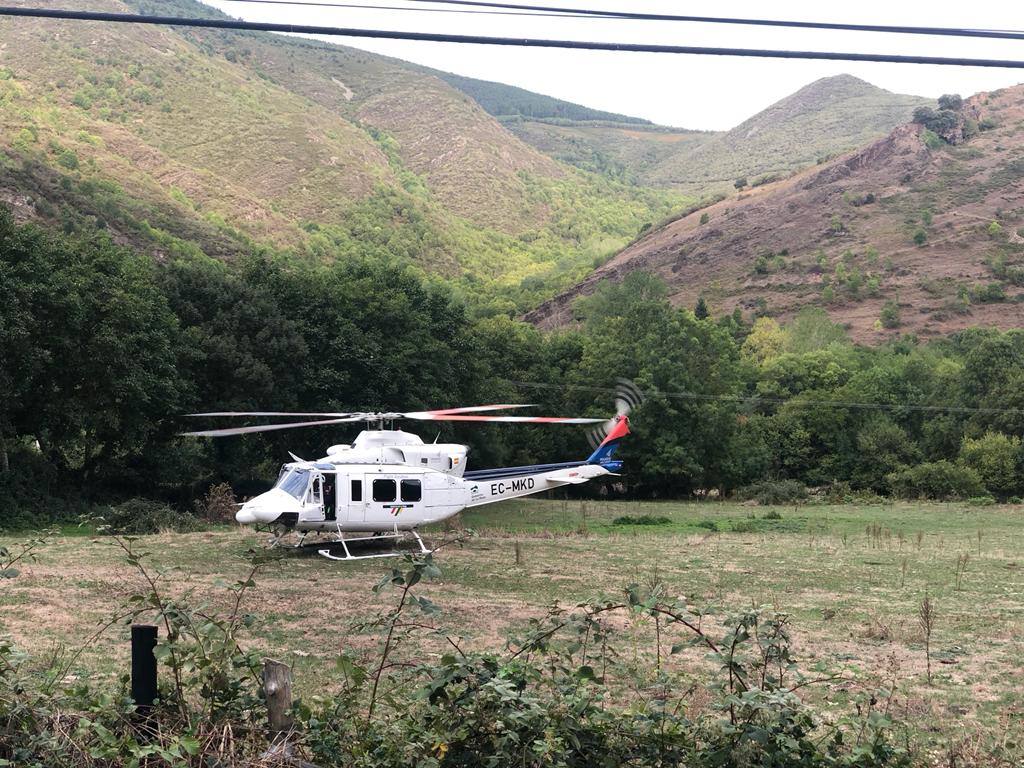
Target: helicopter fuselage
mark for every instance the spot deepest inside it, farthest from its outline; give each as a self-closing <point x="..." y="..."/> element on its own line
<point x="315" y="496"/>
<point x="392" y="481"/>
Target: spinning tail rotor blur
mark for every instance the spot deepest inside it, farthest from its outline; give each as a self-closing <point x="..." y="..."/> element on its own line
<point x="627" y="398"/>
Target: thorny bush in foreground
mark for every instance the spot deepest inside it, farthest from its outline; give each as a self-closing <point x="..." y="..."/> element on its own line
<point x="574" y="688"/>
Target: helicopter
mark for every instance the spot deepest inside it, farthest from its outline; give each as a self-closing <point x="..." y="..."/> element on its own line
<point x="388" y="483"/>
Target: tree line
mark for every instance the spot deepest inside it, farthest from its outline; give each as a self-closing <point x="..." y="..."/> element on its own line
<point x="102" y="350"/>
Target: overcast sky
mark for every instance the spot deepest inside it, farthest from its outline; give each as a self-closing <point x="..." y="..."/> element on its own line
<point x="706" y="92"/>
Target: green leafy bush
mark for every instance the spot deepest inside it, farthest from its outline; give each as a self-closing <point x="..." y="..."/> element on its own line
<point x="774" y="492"/>
<point x="890" y="316"/>
<point x="936" y="480"/>
<point x="641" y="520"/>
<point x="996" y="458"/>
<point x="142" y="516"/>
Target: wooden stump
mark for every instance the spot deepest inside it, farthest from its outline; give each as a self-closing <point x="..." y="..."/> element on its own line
<point x="277" y="687"/>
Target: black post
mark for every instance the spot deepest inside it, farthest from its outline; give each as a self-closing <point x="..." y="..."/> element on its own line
<point x="143" y="668"/>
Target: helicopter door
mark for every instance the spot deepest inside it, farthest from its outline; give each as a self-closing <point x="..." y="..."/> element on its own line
<point x="330" y="497"/>
<point x="313" y="504"/>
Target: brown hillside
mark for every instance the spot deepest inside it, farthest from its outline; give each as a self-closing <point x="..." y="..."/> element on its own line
<point x="841" y="236"/>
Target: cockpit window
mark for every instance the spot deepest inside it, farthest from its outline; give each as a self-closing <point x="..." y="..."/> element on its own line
<point x="294" y="482"/>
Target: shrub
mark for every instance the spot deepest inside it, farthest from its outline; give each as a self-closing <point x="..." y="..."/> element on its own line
<point x="774" y="492"/>
<point x="740" y="183"/>
<point x="890" y="315"/>
<point x="68" y="159"/>
<point x="705" y="218"/>
<point x="82" y="100"/>
<point x="641" y="520"/>
<point x="995" y="457"/>
<point x="981" y="501"/>
<point x="988" y="294"/>
<point x="142" y="516"/>
<point x="931" y="139"/>
<point x="936" y="480"/>
<point x="920" y="237"/>
<point x="951" y="101"/>
<point x="218" y="505"/>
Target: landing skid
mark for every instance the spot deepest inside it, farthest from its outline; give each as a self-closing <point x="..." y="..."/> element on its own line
<point x="396" y="535"/>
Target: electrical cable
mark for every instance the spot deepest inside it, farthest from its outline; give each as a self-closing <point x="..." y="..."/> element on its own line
<point x="1001" y="34"/>
<point x="756" y="400"/>
<point x="382" y="34"/>
<point x="356" y="6"/>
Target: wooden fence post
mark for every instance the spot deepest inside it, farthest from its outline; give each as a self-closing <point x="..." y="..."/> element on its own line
<point x="277" y="687"/>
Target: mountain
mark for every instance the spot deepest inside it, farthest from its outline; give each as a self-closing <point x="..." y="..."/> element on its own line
<point x="826" y="118"/>
<point x="908" y="234"/>
<point x="181" y="140"/>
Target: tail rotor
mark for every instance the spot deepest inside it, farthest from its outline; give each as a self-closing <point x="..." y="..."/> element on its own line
<point x="627" y="397"/>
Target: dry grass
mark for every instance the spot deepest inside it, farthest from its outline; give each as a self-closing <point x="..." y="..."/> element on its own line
<point x="854" y="604"/>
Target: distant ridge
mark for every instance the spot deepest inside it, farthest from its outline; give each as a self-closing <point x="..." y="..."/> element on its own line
<point x="503" y="100"/>
<point x="821" y="120"/>
<point x="907" y="235"/>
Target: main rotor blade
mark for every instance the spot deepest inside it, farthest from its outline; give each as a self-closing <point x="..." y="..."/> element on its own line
<point x="510" y="419"/>
<point x="438" y="412"/>
<point x="270" y="413"/>
<point x="265" y="428"/>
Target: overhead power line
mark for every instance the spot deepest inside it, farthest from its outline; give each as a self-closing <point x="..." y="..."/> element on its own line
<point x="757" y="400"/>
<point x="1001" y="34"/>
<point x="358" y="6"/>
<point x="381" y="34"/>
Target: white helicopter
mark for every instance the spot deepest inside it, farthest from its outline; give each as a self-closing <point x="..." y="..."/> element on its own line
<point x="388" y="483"/>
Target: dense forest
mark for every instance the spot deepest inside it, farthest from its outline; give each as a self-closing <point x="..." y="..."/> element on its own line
<point x="102" y="350"/>
<point x="506" y="101"/>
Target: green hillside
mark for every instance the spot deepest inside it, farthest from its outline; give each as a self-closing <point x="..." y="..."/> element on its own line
<point x="503" y="100"/>
<point x="826" y="118"/>
<point x="179" y="141"/>
<point x="631" y="153"/>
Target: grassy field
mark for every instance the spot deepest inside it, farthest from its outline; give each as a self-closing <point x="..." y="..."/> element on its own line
<point x="851" y="576"/>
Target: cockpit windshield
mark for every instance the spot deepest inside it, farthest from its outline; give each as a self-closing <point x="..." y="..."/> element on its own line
<point x="294" y="482"/>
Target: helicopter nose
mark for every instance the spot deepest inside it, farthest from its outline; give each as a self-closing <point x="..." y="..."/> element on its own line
<point x="265" y="508"/>
<point x="245" y="515"/>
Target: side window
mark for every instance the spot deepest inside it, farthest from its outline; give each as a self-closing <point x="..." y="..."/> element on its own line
<point x="383" y="490"/>
<point x="357" y="490"/>
<point x="315" y="490"/>
<point x="411" y="490"/>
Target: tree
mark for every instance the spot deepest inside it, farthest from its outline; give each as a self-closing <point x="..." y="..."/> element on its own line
<point x="701" y="310"/>
<point x="740" y="183"/>
<point x="765" y="340"/>
<point x="89" y="349"/>
<point x="951" y="101"/>
<point x="882" y="447"/>
<point x="996" y="459"/>
<point x="681" y="444"/>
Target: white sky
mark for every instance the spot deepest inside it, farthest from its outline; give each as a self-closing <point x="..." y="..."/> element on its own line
<point x="707" y="92"/>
